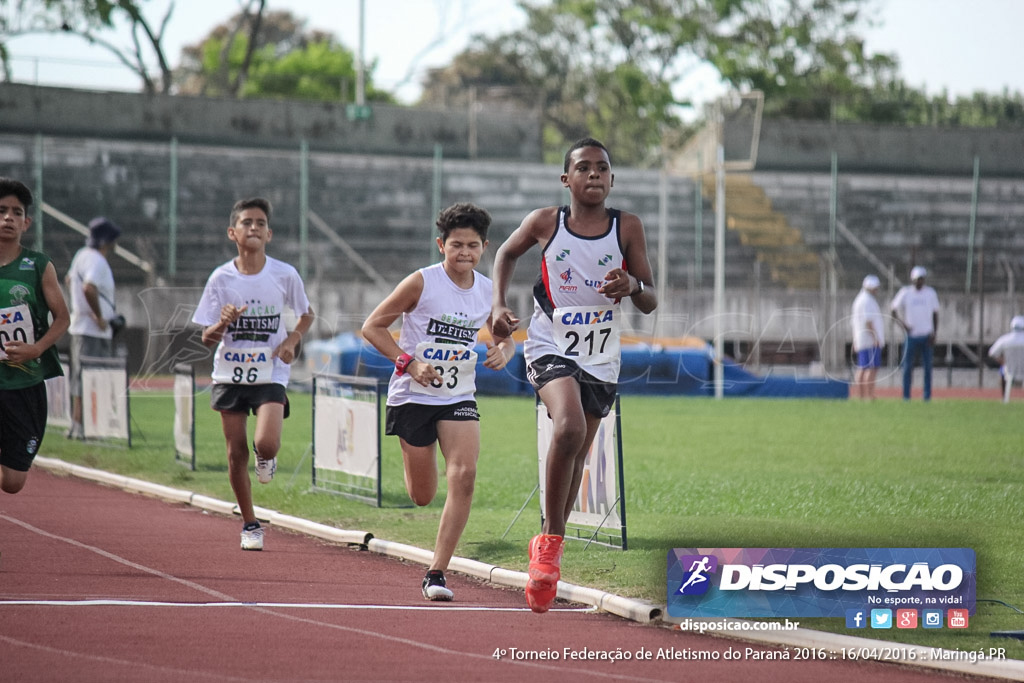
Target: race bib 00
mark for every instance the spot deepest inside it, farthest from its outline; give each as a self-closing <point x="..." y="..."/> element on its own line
<point x="15" y="325"/>
<point x="588" y="334"/>
<point x="237" y="365"/>
<point x="454" y="362"/>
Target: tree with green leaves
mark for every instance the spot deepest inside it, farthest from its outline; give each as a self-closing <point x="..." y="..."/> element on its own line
<point x="621" y="69"/>
<point x="271" y="54"/>
<point x="93" y="20"/>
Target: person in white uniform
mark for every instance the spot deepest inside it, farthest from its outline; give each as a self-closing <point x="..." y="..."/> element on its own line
<point x="868" y="338"/>
<point x="90" y="283"/>
<point x="242" y="312"/>
<point x="431" y="395"/>
<point x="1009" y="343"/>
<point x="916" y="308"/>
<point x="593" y="256"/>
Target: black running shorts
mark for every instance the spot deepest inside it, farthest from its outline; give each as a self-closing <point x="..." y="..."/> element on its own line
<point x="22" y="425"/>
<point x="232" y="398"/>
<point x="416" y="423"/>
<point x="598" y="397"/>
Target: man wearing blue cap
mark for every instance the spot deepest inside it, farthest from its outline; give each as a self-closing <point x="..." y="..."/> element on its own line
<point x="90" y="283"/>
<point x="916" y="308"/>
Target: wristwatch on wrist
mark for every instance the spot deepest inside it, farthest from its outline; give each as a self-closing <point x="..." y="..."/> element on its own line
<point x="639" y="287"/>
<point x="401" y="363"/>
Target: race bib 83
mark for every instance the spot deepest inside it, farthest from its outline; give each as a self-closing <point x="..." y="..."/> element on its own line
<point x="454" y="362"/>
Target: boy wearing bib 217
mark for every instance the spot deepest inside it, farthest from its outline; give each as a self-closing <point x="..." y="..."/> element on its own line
<point x="593" y="257"/>
<point x="241" y="311"/>
<point x="431" y="395"/>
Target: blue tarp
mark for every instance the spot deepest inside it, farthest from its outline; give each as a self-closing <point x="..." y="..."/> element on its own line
<point x="646" y="370"/>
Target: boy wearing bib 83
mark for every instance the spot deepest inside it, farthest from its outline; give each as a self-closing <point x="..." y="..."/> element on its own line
<point x="241" y="311"/>
<point x="431" y="395"/>
<point x="592" y="257"/>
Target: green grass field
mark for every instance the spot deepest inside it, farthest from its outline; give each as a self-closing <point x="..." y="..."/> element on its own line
<point x="699" y="473"/>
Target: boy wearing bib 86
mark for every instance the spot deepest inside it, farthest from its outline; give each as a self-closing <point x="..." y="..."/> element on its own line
<point x="241" y="311"/>
<point x="593" y="257"/>
<point x="431" y="395"/>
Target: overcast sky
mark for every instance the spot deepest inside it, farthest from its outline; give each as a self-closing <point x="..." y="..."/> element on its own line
<point x="959" y="45"/>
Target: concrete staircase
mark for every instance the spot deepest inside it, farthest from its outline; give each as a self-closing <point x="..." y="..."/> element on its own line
<point x="779" y="246"/>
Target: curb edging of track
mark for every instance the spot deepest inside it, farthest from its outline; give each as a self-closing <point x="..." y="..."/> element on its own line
<point x="628" y="608"/>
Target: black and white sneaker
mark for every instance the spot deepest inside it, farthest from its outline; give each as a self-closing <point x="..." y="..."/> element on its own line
<point x="252" y="536"/>
<point x="434" y="587"/>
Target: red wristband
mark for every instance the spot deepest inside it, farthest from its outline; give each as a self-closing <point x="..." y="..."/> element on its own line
<point x="401" y="363"/>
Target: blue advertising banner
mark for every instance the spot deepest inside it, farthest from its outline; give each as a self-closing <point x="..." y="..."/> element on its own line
<point x="817" y="582"/>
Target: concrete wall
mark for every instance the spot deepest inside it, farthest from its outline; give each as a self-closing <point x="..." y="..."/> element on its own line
<point x="268" y="123"/>
<point x="808" y="146"/>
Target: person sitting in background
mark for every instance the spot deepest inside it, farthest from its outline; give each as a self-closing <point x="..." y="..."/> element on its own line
<point x="1013" y="339"/>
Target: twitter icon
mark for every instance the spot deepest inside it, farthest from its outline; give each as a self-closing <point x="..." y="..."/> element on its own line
<point x="881" y="618"/>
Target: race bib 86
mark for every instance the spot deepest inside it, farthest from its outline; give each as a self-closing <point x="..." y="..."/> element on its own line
<point x="237" y="365"/>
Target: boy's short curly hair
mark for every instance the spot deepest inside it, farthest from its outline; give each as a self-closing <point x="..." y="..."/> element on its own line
<point x="463" y="215"/>
<point x="580" y="144"/>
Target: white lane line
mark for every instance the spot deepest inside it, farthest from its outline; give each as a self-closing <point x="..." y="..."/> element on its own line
<point x="117" y="558"/>
<point x="276" y="605"/>
<point x="420" y="645"/>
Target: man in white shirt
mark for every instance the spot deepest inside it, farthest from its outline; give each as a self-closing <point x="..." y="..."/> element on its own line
<point x="868" y="338"/>
<point x="916" y="309"/>
<point x="90" y="283"/>
<point x="1011" y="340"/>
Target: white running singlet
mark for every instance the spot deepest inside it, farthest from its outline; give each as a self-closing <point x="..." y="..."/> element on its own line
<point x="442" y="330"/>
<point x="571" y="319"/>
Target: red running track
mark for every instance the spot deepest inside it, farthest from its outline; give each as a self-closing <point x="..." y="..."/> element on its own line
<point x="97" y="584"/>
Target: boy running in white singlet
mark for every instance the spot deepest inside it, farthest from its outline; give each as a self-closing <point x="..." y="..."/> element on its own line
<point x="431" y="395"/>
<point x="241" y="311"/>
<point x="592" y="257"/>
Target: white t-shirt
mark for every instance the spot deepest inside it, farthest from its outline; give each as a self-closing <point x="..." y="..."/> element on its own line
<point x="917" y="307"/>
<point x="443" y="325"/>
<point x="1015" y="338"/>
<point x="244" y="354"/>
<point x="90" y="266"/>
<point x="866" y="310"/>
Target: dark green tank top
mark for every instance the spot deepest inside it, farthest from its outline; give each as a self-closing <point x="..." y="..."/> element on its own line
<point x="22" y="309"/>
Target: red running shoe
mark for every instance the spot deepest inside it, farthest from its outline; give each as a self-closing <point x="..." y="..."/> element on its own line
<point x="545" y="570"/>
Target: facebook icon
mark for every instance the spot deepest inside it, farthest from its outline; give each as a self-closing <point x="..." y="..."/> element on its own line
<point x="856" y="618"/>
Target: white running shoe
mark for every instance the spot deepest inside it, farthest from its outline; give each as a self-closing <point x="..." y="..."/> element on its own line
<point x="265" y="469"/>
<point x="252" y="539"/>
<point x="434" y="586"/>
